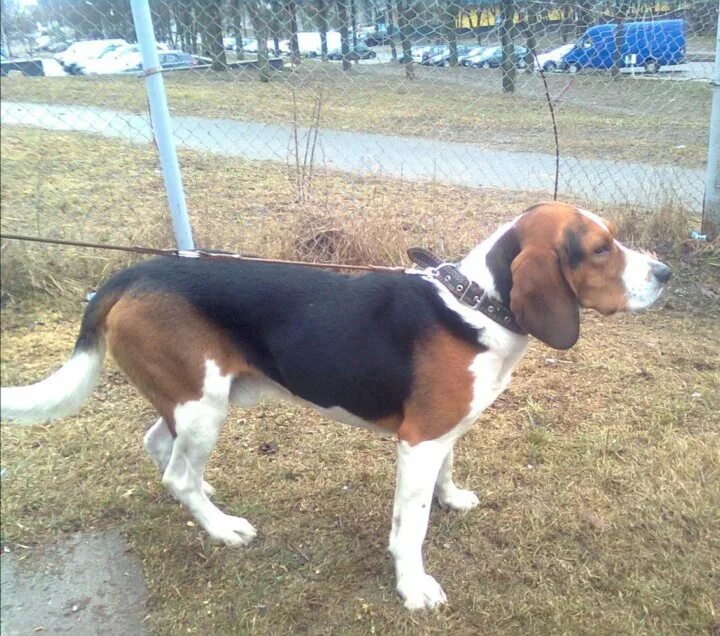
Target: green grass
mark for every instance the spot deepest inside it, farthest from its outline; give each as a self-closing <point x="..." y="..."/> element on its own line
<point x="657" y="122"/>
<point x="597" y="469"/>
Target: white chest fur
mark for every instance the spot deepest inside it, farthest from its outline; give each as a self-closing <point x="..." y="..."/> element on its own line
<point x="492" y="371"/>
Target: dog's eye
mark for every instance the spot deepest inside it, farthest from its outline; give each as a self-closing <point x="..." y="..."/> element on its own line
<point x="603" y="249"/>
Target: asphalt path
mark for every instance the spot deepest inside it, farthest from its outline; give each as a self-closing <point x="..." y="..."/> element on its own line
<point x="591" y="180"/>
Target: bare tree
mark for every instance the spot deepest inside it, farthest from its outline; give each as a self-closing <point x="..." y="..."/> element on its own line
<point x="344" y="35"/>
<point x="322" y="21"/>
<point x="530" y="30"/>
<point x="237" y="18"/>
<point x="260" y="19"/>
<point x="405" y="12"/>
<point x="509" y="71"/>
<point x="291" y="13"/>
<point x="450" y="11"/>
<point x="390" y="26"/>
<point x="212" y="35"/>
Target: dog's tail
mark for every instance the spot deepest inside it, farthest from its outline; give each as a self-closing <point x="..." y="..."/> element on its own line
<point x="64" y="392"/>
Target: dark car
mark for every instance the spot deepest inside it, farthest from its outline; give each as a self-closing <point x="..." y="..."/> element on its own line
<point x="384" y="36"/>
<point x="176" y="59"/>
<point x="173" y="60"/>
<point x="463" y="51"/>
<point x="492" y="57"/>
<point x="360" y="52"/>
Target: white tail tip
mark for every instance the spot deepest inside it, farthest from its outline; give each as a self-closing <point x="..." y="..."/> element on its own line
<point x="60" y="395"/>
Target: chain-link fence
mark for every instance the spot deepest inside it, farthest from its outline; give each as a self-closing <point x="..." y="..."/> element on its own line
<point x="435" y="106"/>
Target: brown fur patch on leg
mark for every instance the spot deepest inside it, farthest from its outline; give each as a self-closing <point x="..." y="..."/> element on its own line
<point x="162" y="343"/>
<point x="442" y="388"/>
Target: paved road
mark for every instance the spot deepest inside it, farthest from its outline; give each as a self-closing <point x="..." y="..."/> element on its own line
<point x="83" y="584"/>
<point x="371" y="154"/>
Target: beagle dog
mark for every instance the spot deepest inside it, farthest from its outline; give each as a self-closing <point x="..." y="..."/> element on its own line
<point x="398" y="352"/>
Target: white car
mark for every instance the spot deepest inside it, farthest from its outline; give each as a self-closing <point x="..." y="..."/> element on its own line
<point x="549" y="61"/>
<point x="116" y="60"/>
<point x="80" y="52"/>
<point x="309" y="42"/>
<point x="252" y="46"/>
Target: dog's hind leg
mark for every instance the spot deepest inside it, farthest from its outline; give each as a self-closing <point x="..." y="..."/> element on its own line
<point x="448" y="494"/>
<point x="158" y="443"/>
<point x="197" y="425"/>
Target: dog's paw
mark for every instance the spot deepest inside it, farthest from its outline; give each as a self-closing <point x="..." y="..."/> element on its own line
<point x="234" y="531"/>
<point x="458" y="499"/>
<point x="421" y="593"/>
<point x="208" y="489"/>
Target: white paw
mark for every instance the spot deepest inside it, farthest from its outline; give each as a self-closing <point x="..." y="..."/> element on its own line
<point x="421" y="593"/>
<point x="458" y="499"/>
<point x="234" y="531"/>
<point x="207" y="489"/>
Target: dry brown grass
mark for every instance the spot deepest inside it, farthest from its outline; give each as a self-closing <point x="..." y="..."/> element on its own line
<point x="598" y="469"/>
<point x="53" y="187"/>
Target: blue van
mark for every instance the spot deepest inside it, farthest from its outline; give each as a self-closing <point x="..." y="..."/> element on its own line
<point x="653" y="43"/>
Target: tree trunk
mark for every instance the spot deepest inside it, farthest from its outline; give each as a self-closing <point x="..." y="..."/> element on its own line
<point x="213" y="37"/>
<point x="353" y="24"/>
<point x="238" y="20"/>
<point x="344" y="36"/>
<point x="259" y="22"/>
<point x="291" y="11"/>
<point x="404" y="13"/>
<point x="531" y="39"/>
<point x="509" y="72"/>
<point x="322" y="10"/>
<point x="451" y="10"/>
<point x="476" y="29"/>
<point x="390" y="26"/>
<point x="566" y="26"/>
<point x="276" y="10"/>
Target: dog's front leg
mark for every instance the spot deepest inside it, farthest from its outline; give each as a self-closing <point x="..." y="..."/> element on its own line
<point x="417" y="471"/>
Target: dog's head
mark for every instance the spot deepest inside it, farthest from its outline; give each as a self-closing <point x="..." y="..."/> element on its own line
<point x="570" y="258"/>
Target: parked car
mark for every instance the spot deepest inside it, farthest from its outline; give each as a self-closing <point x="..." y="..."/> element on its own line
<point x="550" y="61"/>
<point x="113" y="60"/>
<point x="418" y="52"/>
<point x="381" y="36"/>
<point x="492" y="57"/>
<point x="310" y="42"/>
<point x="252" y="47"/>
<point x="79" y="52"/>
<point x="173" y="59"/>
<point x="649" y="44"/>
<point x="401" y="56"/>
<point x="463" y="50"/>
<point x="429" y="52"/>
<point x="45" y="45"/>
<point x="476" y="50"/>
<point x="360" y="52"/>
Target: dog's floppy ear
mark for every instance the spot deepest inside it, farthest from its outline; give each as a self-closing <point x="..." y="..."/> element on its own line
<point x="541" y="299"/>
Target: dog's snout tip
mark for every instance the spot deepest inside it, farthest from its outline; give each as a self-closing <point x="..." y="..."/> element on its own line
<point x="661" y="272"/>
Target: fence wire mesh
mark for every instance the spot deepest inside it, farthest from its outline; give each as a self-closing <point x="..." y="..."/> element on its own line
<point x="433" y="107"/>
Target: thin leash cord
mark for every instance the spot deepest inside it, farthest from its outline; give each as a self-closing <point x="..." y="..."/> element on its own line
<point x="197" y="253"/>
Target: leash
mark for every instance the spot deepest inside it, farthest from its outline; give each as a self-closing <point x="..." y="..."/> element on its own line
<point x="196" y="253"/>
<point x="464" y="290"/>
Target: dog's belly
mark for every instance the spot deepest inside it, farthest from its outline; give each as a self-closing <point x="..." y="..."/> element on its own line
<point x="246" y="392"/>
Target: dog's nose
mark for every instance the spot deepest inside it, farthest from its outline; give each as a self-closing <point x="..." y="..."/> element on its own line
<point x="661" y="271"/>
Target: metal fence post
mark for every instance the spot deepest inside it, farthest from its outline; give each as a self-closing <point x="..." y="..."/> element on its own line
<point x="711" y="203"/>
<point x="162" y="127"/>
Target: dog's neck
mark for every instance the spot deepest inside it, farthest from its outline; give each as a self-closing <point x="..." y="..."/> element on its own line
<point x="489" y="263"/>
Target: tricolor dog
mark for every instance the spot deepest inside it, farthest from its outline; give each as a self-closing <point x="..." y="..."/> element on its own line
<point x="418" y="354"/>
